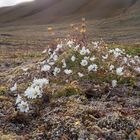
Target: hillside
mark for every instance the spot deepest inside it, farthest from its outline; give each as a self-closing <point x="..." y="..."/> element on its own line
<point x="50" y="11"/>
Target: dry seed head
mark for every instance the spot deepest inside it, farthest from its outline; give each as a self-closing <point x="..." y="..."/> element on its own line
<point x="72" y="25"/>
<point x="76" y="28"/>
<point x="83" y="19"/>
<point x="83" y="26"/>
<point x="82" y="30"/>
<point x="50" y="29"/>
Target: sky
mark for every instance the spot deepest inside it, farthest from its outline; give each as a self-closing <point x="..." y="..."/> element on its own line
<point x="4" y="3"/>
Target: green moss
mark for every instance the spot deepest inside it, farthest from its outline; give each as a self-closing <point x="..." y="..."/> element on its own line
<point x="67" y="91"/>
<point x="128" y="81"/>
<point x="2" y="90"/>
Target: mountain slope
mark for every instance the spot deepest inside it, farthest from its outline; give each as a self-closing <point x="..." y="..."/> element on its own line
<point x="49" y="11"/>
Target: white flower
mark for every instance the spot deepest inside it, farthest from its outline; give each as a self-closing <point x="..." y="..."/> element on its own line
<point x="132" y="61"/>
<point x="70" y="43"/>
<point x="25" y="69"/>
<point x="43" y="62"/>
<point x="83" y="51"/>
<point x="111" y="67"/>
<point x="80" y="74"/>
<point x="23" y="107"/>
<point x="56" y="71"/>
<point x="76" y="48"/>
<point x="93" y="67"/>
<point x="64" y="63"/>
<point x="55" y="57"/>
<point x="96" y="44"/>
<point x="46" y="68"/>
<point x="125" y="60"/>
<point x="19" y="99"/>
<point x="88" y="51"/>
<point x="68" y="71"/>
<point x="59" y="46"/>
<point x="30" y="93"/>
<point x="44" y="51"/>
<point x="51" y="56"/>
<point x="92" y="58"/>
<point x="105" y="57"/>
<point x="119" y="71"/>
<point x="114" y="83"/>
<point x="67" y="81"/>
<point x="137" y="69"/>
<point x="137" y="59"/>
<point x="84" y="63"/>
<point x="14" y="88"/>
<point x="86" y="57"/>
<point x="73" y="58"/>
<point x="33" y="92"/>
<point x="111" y="51"/>
<point x="116" y="52"/>
<point x="90" y="68"/>
<point x="129" y="56"/>
<point x="51" y="63"/>
<point x="40" y="82"/>
<point x="49" y="51"/>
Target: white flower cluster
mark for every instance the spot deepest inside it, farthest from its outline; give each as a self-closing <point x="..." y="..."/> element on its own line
<point x="22" y="105"/>
<point x="14" y="88"/>
<point x="32" y="92"/>
<point x="68" y="71"/>
<point x="80" y="74"/>
<point x="95" y="44"/>
<point x="111" y="67"/>
<point x="105" y="57"/>
<point x="88" y="61"/>
<point x="114" y="83"/>
<point x="35" y="90"/>
<point x="64" y="63"/>
<point x="56" y="71"/>
<point x="76" y="48"/>
<point x="46" y="68"/>
<point x="84" y="62"/>
<point x="84" y="51"/>
<point x="92" y="58"/>
<point x="92" y="67"/>
<point x="53" y="55"/>
<point x="73" y="58"/>
<point x="116" y="52"/>
<point x="119" y="71"/>
<point x="70" y="43"/>
<point x="137" y="69"/>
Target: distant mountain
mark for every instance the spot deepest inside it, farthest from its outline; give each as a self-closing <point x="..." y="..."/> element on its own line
<point x="50" y="11"/>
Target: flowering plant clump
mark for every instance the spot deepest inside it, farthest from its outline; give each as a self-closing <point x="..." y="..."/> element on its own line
<point x="69" y="62"/>
<point x="76" y="59"/>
